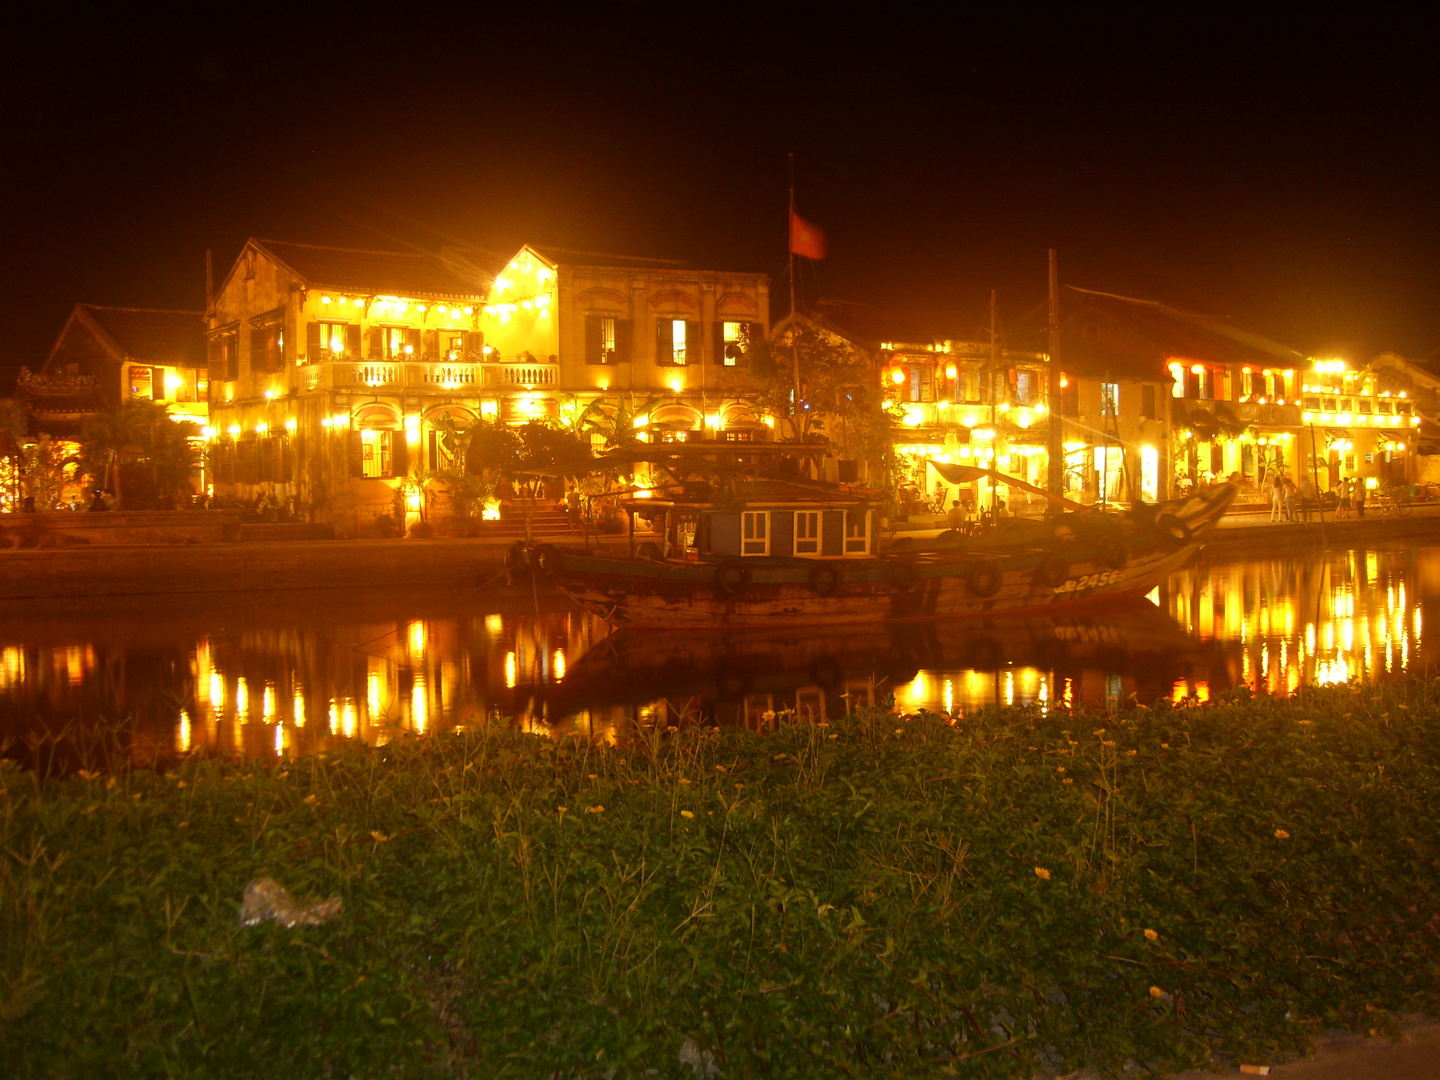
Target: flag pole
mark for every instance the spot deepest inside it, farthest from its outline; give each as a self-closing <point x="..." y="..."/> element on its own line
<point x="794" y="313"/>
<point x="1055" y="473"/>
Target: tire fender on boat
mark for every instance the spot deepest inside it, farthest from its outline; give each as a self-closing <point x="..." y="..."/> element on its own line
<point x="1052" y="571"/>
<point x="733" y="578"/>
<point x="545" y="561"/>
<point x="517" y="561"/>
<point x="1174" y="529"/>
<point x="902" y="574"/>
<point x="984" y="579"/>
<point x="1113" y="552"/>
<point x="824" y="580"/>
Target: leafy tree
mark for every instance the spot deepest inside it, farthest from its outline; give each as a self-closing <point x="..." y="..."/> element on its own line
<point x="841" y="398"/>
<point x="15" y="419"/>
<point x="616" y="421"/>
<point x="141" y="431"/>
<point x="47" y="469"/>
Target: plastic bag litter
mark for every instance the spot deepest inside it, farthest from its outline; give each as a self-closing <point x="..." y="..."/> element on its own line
<point x="265" y="898"/>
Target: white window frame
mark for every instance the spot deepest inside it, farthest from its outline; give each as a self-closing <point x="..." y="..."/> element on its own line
<point x="1109" y="399"/>
<point x="857" y="542"/>
<point x="755" y="541"/>
<point x="811" y="542"/>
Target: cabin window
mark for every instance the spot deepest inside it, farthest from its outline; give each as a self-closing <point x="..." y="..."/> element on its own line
<point x="755" y="538"/>
<point x="807" y="532"/>
<point x="332" y="339"/>
<point x="857" y="530"/>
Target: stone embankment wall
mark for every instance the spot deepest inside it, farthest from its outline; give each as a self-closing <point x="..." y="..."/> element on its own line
<point x="354" y="565"/>
<point x="152" y="528"/>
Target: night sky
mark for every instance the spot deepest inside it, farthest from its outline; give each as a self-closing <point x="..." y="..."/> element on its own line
<point x="1284" y="174"/>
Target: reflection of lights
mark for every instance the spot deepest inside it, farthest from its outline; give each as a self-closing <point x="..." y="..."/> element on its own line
<point x="557" y="664"/>
<point x="242" y="699"/>
<point x="347" y="720"/>
<point x="182" y="733"/>
<point x="417" y="638"/>
<point x="299" y="708"/>
<point x="949" y="686"/>
<point x="494" y="625"/>
<point x="267" y="703"/>
<point x="419" y="705"/>
<point x="334" y="715"/>
<point x="372" y="693"/>
<point x="510" y="670"/>
<point x="281" y="738"/>
<point x="217" y="690"/>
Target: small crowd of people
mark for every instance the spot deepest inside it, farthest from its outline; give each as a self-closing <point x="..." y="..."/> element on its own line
<point x="1290" y="501"/>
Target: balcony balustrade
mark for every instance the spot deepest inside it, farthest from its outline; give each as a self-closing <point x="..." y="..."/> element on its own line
<point x="342" y="374"/>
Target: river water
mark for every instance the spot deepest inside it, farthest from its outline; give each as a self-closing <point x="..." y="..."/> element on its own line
<point x="264" y="675"/>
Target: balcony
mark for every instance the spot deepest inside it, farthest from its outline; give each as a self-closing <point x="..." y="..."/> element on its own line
<point x="343" y="374"/>
<point x="521" y="376"/>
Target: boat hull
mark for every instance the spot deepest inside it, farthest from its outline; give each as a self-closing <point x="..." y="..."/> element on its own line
<point x="1055" y="568"/>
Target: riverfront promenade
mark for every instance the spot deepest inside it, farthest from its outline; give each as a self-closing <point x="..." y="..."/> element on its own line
<point x="262" y="565"/>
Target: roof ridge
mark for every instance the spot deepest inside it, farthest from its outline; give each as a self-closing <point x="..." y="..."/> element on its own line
<point x="345" y="250"/>
<point x="141" y="310"/>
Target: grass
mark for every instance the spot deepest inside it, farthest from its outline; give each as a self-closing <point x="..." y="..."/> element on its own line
<point x="1006" y="894"/>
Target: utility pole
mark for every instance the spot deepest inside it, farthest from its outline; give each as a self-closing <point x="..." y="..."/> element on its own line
<point x="1055" y="479"/>
<point x="993" y="357"/>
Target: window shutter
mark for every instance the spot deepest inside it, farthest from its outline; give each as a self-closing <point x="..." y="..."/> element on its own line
<point x="474" y="342"/>
<point x="232" y="356"/>
<point x="357" y="455"/>
<point x="352" y="340"/>
<point x="622" y="341"/>
<point x="1147" y="401"/>
<point x="694" y="342"/>
<point x="375" y="347"/>
<point x="312" y="342"/>
<point x="717" y="339"/>
<point x="593" y="340"/>
<point x="258" y="359"/>
<point x="399" y="453"/>
<point x="749" y="335"/>
<point x="214" y="360"/>
<point x="664" y="342"/>
<point x="432" y="344"/>
<point x="412" y="339"/>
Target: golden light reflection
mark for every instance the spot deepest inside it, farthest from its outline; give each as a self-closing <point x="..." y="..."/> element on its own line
<point x="416" y="636"/>
<point x="182" y="733"/>
<point x="511" y="671"/>
<point x="557" y="664"/>
<point x="242" y="699"/>
<point x="299" y="708"/>
<point x="419" y="706"/>
<point x="267" y="706"/>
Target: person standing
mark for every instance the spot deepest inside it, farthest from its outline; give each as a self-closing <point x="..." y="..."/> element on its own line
<point x="1277" y="497"/>
<point x="1307" y="497"/>
<point x="1359" y="485"/>
<point x="1342" y="489"/>
<point x="1287" y="493"/>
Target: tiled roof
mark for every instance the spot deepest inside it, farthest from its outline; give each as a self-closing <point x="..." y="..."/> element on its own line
<point x="869" y="326"/>
<point x="385" y="273"/>
<point x="1139" y="336"/>
<point x="154" y="336"/>
<point x="570" y="257"/>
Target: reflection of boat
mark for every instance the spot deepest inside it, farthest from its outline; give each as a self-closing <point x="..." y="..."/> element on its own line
<point x="745" y="549"/>
<point x="1132" y="644"/>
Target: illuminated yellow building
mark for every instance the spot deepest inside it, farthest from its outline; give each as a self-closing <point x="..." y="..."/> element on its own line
<point x="106" y="355"/>
<point x="333" y="369"/>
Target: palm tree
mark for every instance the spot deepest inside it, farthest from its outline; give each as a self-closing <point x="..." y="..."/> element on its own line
<point x="136" y="429"/>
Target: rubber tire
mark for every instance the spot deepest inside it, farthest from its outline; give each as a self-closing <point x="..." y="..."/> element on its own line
<point x="984" y="580"/>
<point x="824" y="580"/>
<point x="1174" y="530"/>
<point x="517" y="560"/>
<point x="732" y="578"/>
<point x="651" y="551"/>
<point x="545" y="561"/>
<point x="1052" y="571"/>
<point x="1114" y="553"/>
<point x="902" y="574"/>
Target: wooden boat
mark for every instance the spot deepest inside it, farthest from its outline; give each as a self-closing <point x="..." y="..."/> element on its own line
<point x="748" y="548"/>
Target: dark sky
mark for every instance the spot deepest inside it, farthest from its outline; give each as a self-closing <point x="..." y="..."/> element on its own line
<point x="1283" y="173"/>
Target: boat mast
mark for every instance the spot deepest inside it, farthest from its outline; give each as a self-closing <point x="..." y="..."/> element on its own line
<point x="1055" y="478"/>
<point x="794" y="312"/>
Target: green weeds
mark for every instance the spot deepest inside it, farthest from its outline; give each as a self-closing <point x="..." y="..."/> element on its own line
<point x="1003" y="895"/>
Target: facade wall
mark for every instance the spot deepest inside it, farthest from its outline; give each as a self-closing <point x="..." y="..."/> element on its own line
<point x="361" y="384"/>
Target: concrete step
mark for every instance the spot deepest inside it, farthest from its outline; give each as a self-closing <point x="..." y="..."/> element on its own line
<point x="285" y="530"/>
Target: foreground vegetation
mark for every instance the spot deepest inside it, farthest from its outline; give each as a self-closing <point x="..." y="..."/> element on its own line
<point x="1007" y="894"/>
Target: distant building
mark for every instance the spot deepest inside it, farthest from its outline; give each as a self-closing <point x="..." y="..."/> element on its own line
<point x="106" y="355"/>
<point x="332" y="370"/>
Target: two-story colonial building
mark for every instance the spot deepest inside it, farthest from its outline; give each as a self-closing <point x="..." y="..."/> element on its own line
<point x="332" y="371"/>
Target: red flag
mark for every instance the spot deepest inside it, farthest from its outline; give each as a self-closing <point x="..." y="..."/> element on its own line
<point x="805" y="239"/>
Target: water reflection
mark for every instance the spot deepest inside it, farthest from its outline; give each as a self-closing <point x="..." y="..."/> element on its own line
<point x="265" y="676"/>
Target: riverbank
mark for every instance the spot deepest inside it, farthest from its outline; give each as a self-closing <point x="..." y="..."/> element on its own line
<point x="1004" y="894"/>
<point x="253" y="566"/>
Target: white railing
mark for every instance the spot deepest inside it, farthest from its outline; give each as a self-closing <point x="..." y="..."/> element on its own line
<point x="526" y="375"/>
<point x="378" y="374"/>
<point x="446" y="375"/>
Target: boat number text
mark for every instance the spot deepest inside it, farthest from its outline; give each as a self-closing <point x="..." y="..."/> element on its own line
<point x="1089" y="581"/>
